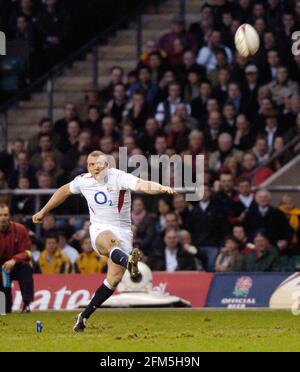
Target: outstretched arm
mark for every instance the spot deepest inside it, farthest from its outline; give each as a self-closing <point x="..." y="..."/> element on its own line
<point x="153" y="188"/>
<point x="57" y="199"/>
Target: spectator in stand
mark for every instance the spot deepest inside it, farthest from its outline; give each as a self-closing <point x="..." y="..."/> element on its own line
<point x="48" y="225"/>
<point x="239" y="233"/>
<point x="183" y="209"/>
<point x="158" y="67"/>
<point x="207" y="228"/>
<point x="148" y="137"/>
<point x="116" y="77"/>
<point x="175" y="56"/>
<point x="242" y="201"/>
<point x="250" y="91"/>
<point x="172" y="257"/>
<point x="107" y="145"/>
<point x="212" y="105"/>
<point x="26" y="31"/>
<point x="151" y="48"/>
<point x="144" y="223"/>
<point x="190" y="65"/>
<point x="178" y="136"/>
<point x="45" y="127"/>
<point x="83" y="146"/>
<point x="138" y="111"/>
<point x="198" y="104"/>
<point x="4" y="199"/>
<point x="185" y="239"/>
<point x="71" y="141"/>
<point x="145" y="85"/>
<point x="290" y="111"/>
<point x="264" y="257"/>
<point x="205" y="24"/>
<point x="177" y="31"/>
<point x="182" y="111"/>
<point x="244" y="136"/>
<point x="92" y="98"/>
<point x="279" y="148"/>
<point x="109" y="129"/>
<point x="168" y="107"/>
<point x="46" y="148"/>
<point x="220" y="90"/>
<point x="250" y="169"/>
<point x="23" y="204"/>
<point x="193" y="80"/>
<point x="8" y="158"/>
<point x="262" y="216"/>
<point x="52" y="260"/>
<point x="235" y="97"/>
<point x="15" y="253"/>
<point x="89" y="262"/>
<point x="229" y="113"/>
<point x="69" y="251"/>
<point x="79" y="168"/>
<point x="225" y="196"/>
<point x="229" y="258"/>
<point x="282" y="86"/>
<point x="22" y="169"/>
<point x="272" y="66"/>
<point x="287" y="206"/>
<point x="117" y="106"/>
<point x="164" y="209"/>
<point x="61" y="125"/>
<point x="93" y="123"/>
<point x="260" y="149"/>
<point x="50" y="167"/>
<point x="221" y="65"/>
<point x="55" y="26"/>
<point x="207" y="54"/>
<point x="225" y="149"/>
<point x="213" y="130"/>
<point x="272" y="128"/>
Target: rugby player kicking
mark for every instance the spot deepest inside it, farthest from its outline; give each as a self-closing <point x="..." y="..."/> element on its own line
<point x="107" y="192"/>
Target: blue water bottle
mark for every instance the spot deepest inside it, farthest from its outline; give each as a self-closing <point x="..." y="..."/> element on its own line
<point x="39" y="326"/>
<point x="6" y="280"/>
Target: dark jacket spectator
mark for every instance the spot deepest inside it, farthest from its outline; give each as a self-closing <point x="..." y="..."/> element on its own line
<point x="172" y="257"/>
<point x="262" y="216"/>
<point x="264" y="258"/>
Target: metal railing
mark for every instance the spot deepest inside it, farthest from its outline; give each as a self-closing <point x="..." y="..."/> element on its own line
<point x="38" y="194"/>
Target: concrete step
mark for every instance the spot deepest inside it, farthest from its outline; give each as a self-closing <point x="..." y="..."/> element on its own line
<point x="173" y="8"/>
<point x="115" y="52"/>
<point x="104" y="66"/>
<point x="129" y="36"/>
<point x="71" y="83"/>
<point x="40" y="100"/>
<point x="27" y="116"/>
<point x="154" y="21"/>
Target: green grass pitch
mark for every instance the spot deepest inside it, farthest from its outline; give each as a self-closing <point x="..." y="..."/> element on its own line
<point x="154" y="330"/>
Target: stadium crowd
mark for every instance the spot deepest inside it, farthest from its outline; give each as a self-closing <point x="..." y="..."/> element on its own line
<point x="190" y="94"/>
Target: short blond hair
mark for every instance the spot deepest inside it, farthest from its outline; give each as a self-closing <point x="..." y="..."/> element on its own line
<point x="96" y="154"/>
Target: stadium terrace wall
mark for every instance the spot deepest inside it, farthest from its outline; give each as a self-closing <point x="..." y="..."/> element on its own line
<point x="232" y="291"/>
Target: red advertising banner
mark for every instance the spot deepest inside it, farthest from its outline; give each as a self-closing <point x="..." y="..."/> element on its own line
<point x="65" y="292"/>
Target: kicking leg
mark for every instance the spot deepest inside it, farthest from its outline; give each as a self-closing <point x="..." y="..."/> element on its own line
<point x="114" y="276"/>
<point x="108" y="245"/>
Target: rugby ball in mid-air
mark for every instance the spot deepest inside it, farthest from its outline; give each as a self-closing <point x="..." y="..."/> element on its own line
<point x="246" y="40"/>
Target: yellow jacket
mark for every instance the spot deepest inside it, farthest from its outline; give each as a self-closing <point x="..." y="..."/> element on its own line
<point x="90" y="263"/>
<point x="59" y="264"/>
<point x="293" y="216"/>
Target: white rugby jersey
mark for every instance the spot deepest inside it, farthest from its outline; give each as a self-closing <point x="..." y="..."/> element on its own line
<point x="109" y="201"/>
